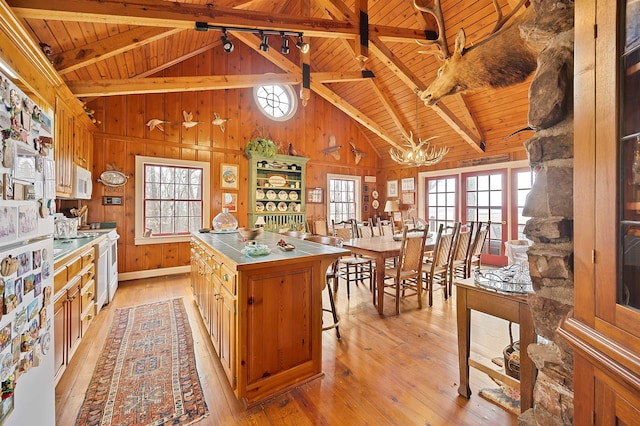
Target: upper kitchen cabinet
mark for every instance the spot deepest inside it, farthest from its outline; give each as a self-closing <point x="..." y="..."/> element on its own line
<point x="605" y="327"/>
<point x="74" y="145"/>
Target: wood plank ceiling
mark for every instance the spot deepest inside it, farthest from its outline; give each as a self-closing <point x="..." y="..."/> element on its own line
<point x="106" y="47"/>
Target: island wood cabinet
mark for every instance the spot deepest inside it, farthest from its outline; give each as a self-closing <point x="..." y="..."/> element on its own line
<point x="604" y="329"/>
<point x="215" y="294"/>
<point x="277" y="191"/>
<point x="73" y="304"/>
<point x="264" y="315"/>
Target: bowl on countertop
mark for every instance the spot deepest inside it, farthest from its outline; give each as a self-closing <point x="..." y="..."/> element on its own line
<point x="250" y="233"/>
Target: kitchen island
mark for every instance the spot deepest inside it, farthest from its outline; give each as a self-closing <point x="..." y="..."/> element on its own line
<point x="263" y="313"/>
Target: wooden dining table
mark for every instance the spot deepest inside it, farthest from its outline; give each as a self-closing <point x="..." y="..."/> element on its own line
<point x="379" y="248"/>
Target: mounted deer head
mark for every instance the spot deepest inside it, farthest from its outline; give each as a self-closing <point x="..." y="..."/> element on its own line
<point x="501" y="60"/>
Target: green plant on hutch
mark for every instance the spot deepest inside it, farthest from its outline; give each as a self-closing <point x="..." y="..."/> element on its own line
<point x="261" y="146"/>
<point x="277" y="189"/>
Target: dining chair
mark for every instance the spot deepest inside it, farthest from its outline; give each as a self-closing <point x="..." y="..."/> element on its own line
<point x="478" y="245"/>
<point x="352" y="268"/>
<point x="459" y="267"/>
<point x="297" y="234"/>
<point x="331" y="277"/>
<point x="435" y="270"/>
<point x="455" y="230"/>
<point x="407" y="274"/>
<point x="386" y="226"/>
<point x="320" y="227"/>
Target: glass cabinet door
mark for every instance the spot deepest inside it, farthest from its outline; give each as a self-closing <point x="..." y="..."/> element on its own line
<point x="628" y="291"/>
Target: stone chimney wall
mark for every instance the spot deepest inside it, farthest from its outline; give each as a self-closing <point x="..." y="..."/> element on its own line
<point x="550" y="207"/>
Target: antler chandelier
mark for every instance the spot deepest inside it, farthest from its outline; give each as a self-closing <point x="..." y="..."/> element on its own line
<point x="418" y="154"/>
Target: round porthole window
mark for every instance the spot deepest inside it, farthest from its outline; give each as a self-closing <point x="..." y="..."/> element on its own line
<point x="276" y="101"/>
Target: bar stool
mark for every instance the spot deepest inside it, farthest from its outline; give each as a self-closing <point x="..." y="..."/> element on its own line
<point x="331" y="275"/>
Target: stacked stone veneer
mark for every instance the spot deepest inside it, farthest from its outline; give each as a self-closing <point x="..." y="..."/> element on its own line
<point x="550" y="207"/>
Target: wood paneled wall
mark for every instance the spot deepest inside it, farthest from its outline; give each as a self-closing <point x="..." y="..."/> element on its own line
<point x="123" y="135"/>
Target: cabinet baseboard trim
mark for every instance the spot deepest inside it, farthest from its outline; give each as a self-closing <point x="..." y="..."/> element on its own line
<point x="150" y="273"/>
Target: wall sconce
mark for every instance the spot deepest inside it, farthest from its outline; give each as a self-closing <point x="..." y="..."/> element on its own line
<point x="285" y="45"/>
<point x="226" y="43"/>
<point x="264" y="46"/>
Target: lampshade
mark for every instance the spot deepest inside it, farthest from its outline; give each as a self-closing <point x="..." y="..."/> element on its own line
<point x="260" y="221"/>
<point x="391" y="206"/>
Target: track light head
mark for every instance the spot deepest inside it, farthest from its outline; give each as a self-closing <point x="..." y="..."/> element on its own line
<point x="264" y="46"/>
<point x="226" y="43"/>
<point x="304" y="47"/>
<point x="285" y="45"/>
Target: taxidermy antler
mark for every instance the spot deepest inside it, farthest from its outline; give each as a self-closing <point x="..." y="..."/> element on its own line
<point x="501" y="60"/>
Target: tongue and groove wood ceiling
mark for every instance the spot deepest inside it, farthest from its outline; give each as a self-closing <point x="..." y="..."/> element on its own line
<point x="111" y="47"/>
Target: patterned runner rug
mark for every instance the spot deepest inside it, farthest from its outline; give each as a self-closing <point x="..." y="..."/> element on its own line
<point x="146" y="374"/>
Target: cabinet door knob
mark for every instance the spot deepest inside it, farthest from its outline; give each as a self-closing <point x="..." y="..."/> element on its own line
<point x="225" y="277"/>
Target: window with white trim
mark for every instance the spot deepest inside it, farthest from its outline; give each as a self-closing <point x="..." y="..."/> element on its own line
<point x="276" y="101"/>
<point x="344" y="198"/>
<point x="171" y="199"/>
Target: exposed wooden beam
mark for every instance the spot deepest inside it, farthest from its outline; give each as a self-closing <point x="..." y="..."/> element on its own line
<point x="337" y="77"/>
<point x="167" y="14"/>
<point x="191" y="84"/>
<point x="412" y="81"/>
<point x="91" y="53"/>
<point x="362" y="42"/>
<point x="177" y="84"/>
<point x="175" y="15"/>
<point x="336" y="9"/>
<point x="286" y="65"/>
<point x="389" y="107"/>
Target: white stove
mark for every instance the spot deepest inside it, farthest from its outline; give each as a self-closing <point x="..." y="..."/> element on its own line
<point x="112" y="258"/>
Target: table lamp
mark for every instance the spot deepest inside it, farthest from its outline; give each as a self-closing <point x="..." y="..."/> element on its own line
<point x="390" y="207"/>
<point x="260" y="222"/>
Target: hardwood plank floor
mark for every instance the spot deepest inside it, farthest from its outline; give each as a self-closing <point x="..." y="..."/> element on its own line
<point x="392" y="370"/>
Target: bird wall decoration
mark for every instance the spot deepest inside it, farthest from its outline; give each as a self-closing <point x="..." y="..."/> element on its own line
<point x="156" y="123"/>
<point x="188" y="120"/>
<point x="219" y="121"/>
<point x="332" y="149"/>
<point x="357" y="152"/>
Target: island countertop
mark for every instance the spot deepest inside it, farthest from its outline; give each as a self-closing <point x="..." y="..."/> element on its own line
<point x="230" y="245"/>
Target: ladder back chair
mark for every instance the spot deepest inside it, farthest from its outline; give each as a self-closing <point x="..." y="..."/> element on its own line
<point x="406" y="276"/>
<point x="331" y="276"/>
<point x="478" y="245"/>
<point x="435" y="270"/>
<point x="352" y="268"/>
<point x="320" y="227"/>
<point x="465" y="240"/>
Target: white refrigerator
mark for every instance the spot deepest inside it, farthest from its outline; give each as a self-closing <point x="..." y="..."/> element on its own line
<point x="27" y="192"/>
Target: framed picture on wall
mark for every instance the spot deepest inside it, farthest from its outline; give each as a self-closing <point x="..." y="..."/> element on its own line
<point x="229" y="176"/>
<point x="315" y="195"/>
<point x="408" y="198"/>
<point x="392" y="188"/>
<point x="408" y="184"/>
<point x="230" y="201"/>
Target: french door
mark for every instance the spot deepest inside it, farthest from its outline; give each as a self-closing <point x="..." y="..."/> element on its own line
<point x="484" y="198"/>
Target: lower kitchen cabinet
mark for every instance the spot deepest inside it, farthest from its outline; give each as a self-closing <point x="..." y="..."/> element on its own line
<point x="73" y="305"/>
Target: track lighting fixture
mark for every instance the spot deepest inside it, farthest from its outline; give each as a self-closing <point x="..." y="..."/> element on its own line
<point x="304" y="47"/>
<point x="226" y="43"/>
<point x="285" y="45"/>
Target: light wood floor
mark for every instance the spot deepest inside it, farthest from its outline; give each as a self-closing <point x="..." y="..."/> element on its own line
<point x="385" y="371"/>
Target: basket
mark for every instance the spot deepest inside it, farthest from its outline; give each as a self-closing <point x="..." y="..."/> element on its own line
<point x="512" y="357"/>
